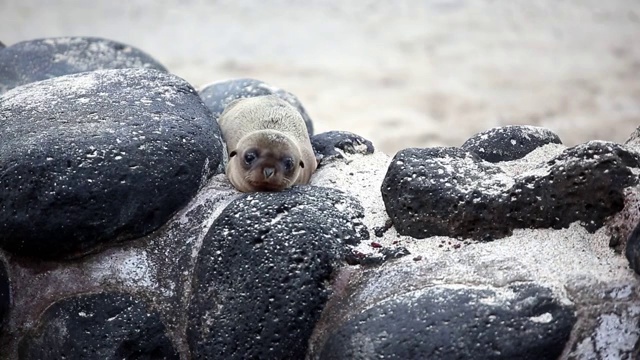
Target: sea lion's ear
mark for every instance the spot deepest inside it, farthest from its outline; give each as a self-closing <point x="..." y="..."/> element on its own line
<point x="301" y="164"/>
<point x="233" y="153"/>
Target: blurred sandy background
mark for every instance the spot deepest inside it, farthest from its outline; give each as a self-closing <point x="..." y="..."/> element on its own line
<point x="401" y="73"/>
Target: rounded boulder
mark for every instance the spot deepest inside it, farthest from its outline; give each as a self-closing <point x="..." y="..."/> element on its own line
<point x="99" y="157"/>
<point x="40" y="59"/>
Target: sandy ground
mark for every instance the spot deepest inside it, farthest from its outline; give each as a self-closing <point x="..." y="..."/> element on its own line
<point x="401" y="73"/>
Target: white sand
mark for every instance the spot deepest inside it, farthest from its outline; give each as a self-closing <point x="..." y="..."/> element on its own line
<point x="401" y="73"/>
<point x="568" y="260"/>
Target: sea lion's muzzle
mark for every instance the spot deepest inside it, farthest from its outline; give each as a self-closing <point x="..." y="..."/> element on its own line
<point x="268" y="172"/>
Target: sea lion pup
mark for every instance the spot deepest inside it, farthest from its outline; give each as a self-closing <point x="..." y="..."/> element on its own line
<point x="268" y="144"/>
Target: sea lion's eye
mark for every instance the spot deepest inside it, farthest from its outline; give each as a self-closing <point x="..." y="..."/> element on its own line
<point x="250" y="157"/>
<point x="288" y="164"/>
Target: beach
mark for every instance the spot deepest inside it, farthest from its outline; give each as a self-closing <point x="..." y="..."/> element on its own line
<point x="399" y="73"/>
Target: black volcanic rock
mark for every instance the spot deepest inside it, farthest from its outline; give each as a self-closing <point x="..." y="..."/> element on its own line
<point x="632" y="250"/>
<point x="98" y="157"/>
<point x="261" y="275"/>
<point x="332" y="144"/>
<point x="633" y="141"/>
<point x="219" y="94"/>
<point x="441" y="322"/>
<point x="452" y="192"/>
<point x="5" y="294"/>
<point x="98" y="326"/>
<point x="445" y="191"/>
<point x="35" y="60"/>
<point x="509" y="142"/>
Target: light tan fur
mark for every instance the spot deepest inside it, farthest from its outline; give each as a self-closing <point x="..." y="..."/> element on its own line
<point x="278" y="131"/>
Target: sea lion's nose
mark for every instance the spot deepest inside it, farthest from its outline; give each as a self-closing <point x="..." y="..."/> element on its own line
<point x="268" y="172"/>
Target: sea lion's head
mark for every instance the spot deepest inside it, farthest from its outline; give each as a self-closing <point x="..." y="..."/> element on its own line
<point x="266" y="160"/>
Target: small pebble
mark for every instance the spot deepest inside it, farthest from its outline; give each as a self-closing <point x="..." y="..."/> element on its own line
<point x="375" y="245"/>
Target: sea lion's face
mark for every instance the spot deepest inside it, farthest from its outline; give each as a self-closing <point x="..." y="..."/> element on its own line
<point x="264" y="167"/>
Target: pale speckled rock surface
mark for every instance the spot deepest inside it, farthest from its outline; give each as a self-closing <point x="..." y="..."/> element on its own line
<point x="579" y="268"/>
<point x="358" y="175"/>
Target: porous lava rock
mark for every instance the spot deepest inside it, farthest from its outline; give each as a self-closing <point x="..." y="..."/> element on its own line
<point x="98" y="326"/>
<point x="632" y="250"/>
<point x="99" y="157"/>
<point x="261" y="275"/>
<point x="452" y="192"/>
<point x="40" y="59"/>
<point x="509" y="142"/>
<point x="5" y="294"/>
<point x="333" y="144"/>
<point x="448" y="322"/>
